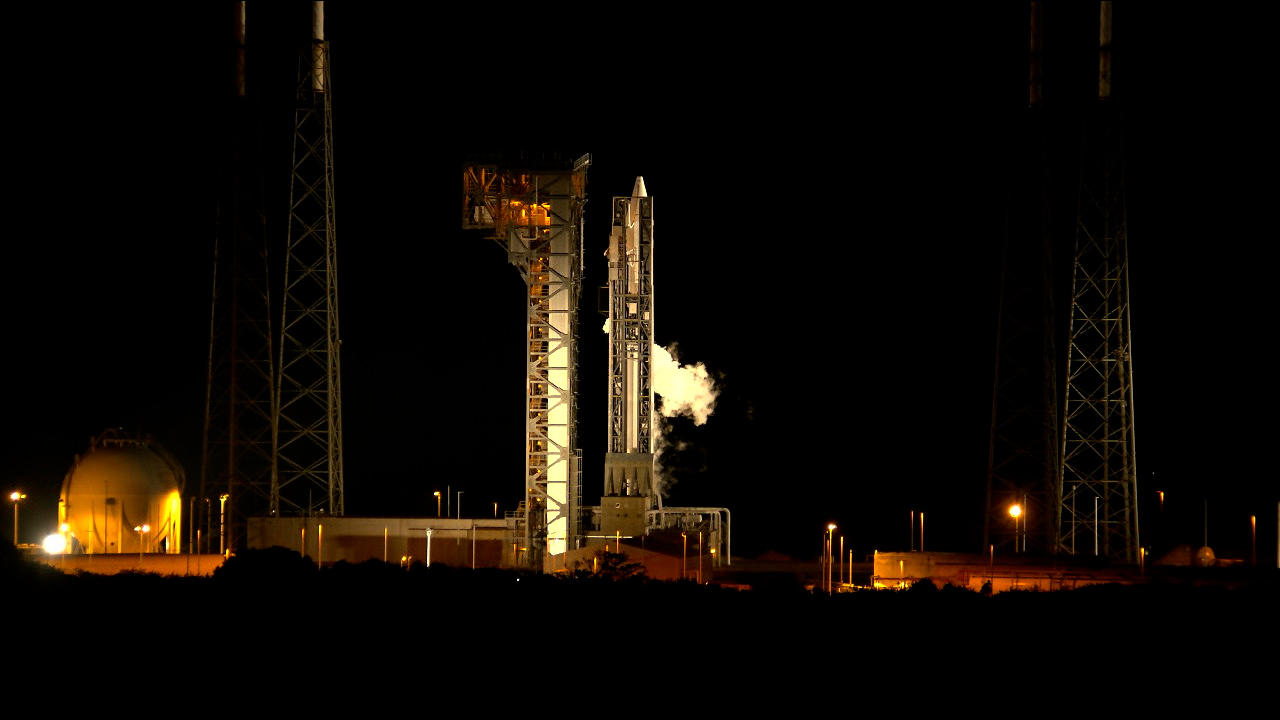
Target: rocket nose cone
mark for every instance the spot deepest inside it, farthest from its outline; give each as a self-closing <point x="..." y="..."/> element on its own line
<point x="638" y="190"/>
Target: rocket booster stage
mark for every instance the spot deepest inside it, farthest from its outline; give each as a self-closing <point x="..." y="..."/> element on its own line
<point x="629" y="462"/>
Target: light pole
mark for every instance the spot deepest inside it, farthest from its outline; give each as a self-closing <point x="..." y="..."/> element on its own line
<point x="222" y="523"/>
<point x="437" y="503"/>
<point x="684" y="556"/>
<point x="1160" y="537"/>
<point x="142" y="531"/>
<point x="16" y="497"/>
<point x="1015" y="512"/>
<point x="831" y="527"/>
<point x="1253" y="541"/>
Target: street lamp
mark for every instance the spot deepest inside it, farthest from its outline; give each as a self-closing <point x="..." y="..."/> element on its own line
<point x="142" y="531"/>
<point x="437" y="503"/>
<point x="16" y="496"/>
<point x="699" y="557"/>
<point x="1015" y="511"/>
<point x="222" y="523"/>
<point x="830" y="529"/>
<point x="684" y="556"/>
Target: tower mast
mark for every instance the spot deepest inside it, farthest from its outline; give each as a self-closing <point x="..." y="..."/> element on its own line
<point x="236" y="451"/>
<point x="307" y="475"/>
<point x="1098" y="510"/>
<point x="1022" y="460"/>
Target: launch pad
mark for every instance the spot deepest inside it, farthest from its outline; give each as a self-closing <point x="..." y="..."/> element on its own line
<point x="532" y="207"/>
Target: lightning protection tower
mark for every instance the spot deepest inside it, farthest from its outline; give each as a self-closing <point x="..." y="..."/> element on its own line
<point x="1022" y="460"/>
<point x="236" y="460"/>
<point x="308" y="419"/>
<point x="1098" y="510"/>
<point x="532" y="207"/>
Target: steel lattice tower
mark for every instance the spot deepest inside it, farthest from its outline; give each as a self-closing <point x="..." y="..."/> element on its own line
<point x="533" y="207"/>
<point x="235" y="477"/>
<point x="308" y="455"/>
<point x="1022" y="461"/>
<point x="1098" y="510"/>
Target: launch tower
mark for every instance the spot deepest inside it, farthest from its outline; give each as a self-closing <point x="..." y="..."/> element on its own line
<point x="532" y="207"/>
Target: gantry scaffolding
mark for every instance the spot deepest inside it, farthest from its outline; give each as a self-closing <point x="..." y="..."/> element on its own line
<point x="1097" y="508"/>
<point x="532" y="206"/>
<point x="236" y="453"/>
<point x="307" y="478"/>
<point x="1022" y="459"/>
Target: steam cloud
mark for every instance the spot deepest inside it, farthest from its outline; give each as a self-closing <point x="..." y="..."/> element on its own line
<point x="686" y="390"/>
<point x="683" y="390"/>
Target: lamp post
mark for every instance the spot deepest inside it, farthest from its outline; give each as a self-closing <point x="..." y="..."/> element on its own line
<point x="684" y="556"/>
<point x="831" y="527"/>
<point x="1015" y="512"/>
<point x="222" y="523"/>
<point x="437" y="503"/>
<point x="1253" y="541"/>
<point x="142" y="531"/>
<point x="1160" y="541"/>
<point x="699" y="557"/>
<point x="16" y="497"/>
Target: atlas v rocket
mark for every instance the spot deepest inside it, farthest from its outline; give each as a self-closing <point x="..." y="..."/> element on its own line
<point x="628" y="466"/>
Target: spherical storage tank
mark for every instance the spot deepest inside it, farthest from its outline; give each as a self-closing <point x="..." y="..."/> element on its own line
<point x="122" y="496"/>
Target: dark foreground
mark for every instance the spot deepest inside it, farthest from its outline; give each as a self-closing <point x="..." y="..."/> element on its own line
<point x="273" y="615"/>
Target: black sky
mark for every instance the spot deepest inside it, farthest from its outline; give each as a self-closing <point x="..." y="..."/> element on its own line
<point x="829" y="202"/>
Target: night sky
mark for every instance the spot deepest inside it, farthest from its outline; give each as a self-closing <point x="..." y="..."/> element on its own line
<point x="829" y="202"/>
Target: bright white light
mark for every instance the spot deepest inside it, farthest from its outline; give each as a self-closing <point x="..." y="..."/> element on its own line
<point x="55" y="544"/>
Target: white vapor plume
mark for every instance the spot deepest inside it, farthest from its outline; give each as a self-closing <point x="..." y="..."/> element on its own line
<point x="687" y="390"/>
<point x="683" y="390"/>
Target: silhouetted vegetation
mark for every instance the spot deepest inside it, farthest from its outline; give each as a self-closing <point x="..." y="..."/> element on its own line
<point x="610" y="566"/>
<point x="279" y="596"/>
